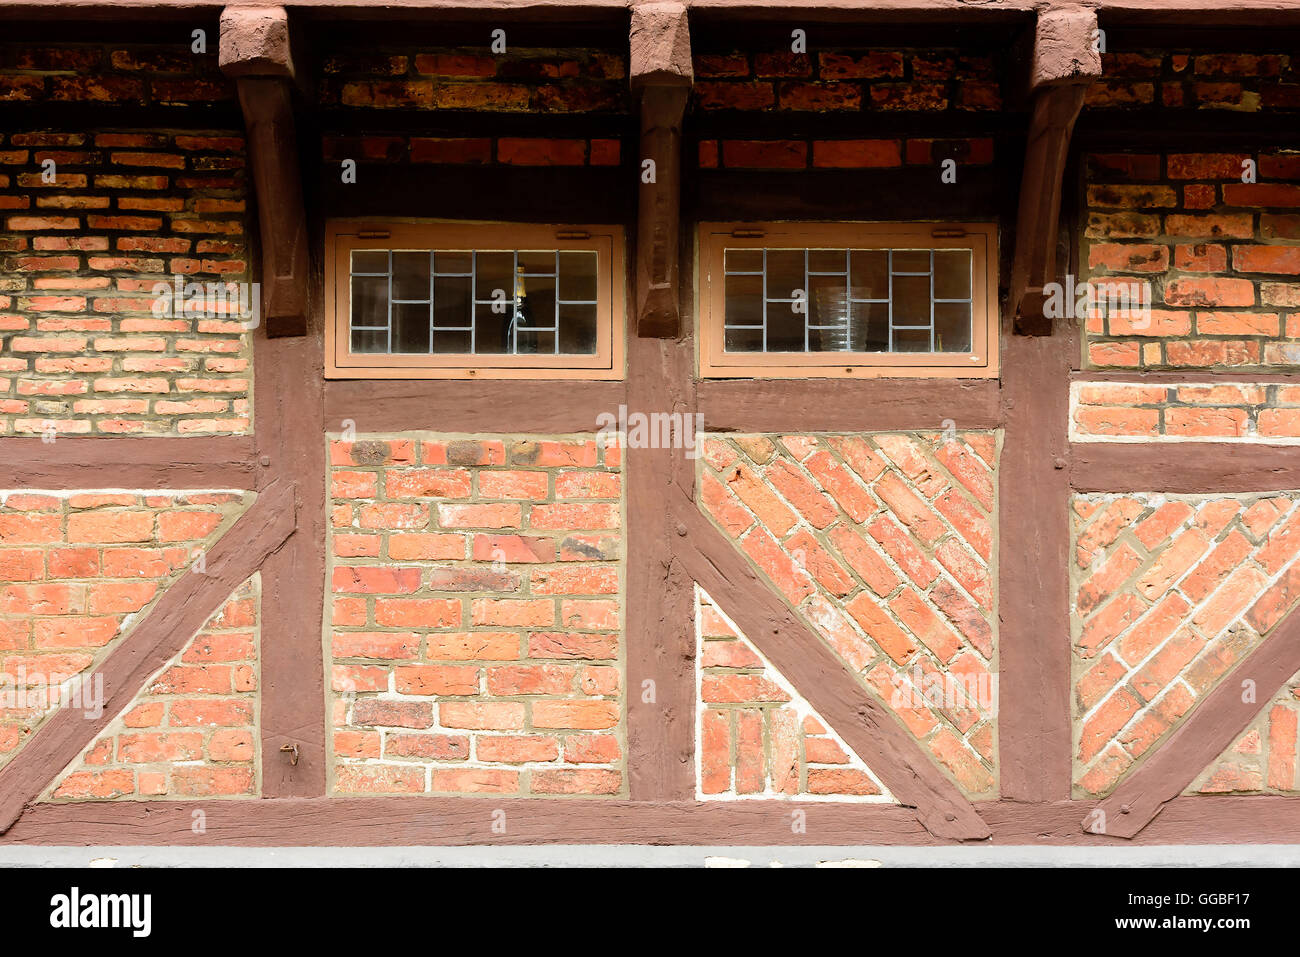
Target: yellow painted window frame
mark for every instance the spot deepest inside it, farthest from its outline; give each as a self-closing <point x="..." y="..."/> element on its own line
<point x="342" y="236"/>
<point x="980" y="238"/>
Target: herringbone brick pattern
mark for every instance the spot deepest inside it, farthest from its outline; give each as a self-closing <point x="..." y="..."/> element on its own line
<point x="1170" y="592"/>
<point x="757" y="736"/>
<point x="884" y="544"/>
<point x="192" y="730"/>
<point x="76" y="570"/>
<point x="1263" y="759"/>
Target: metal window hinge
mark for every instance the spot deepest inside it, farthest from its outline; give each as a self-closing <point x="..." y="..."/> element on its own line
<point x="572" y="234"/>
<point x="373" y="234"/>
<point x="947" y="233"/>
<point x="748" y="233"/>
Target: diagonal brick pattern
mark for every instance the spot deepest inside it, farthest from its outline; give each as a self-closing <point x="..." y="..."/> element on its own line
<point x="1170" y="592"/>
<point x="1263" y="759"/>
<point x="76" y="570"/>
<point x="884" y="544"/>
<point x="192" y="731"/>
<point x="757" y="737"/>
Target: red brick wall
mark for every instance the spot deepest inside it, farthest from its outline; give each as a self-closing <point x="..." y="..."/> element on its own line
<point x="1264" y="758"/>
<point x="169" y="76"/>
<point x="757" y="737"/>
<point x="523" y="80"/>
<point x="813" y="153"/>
<point x="1196" y="80"/>
<point x="76" y="570"/>
<point x="475" y="150"/>
<point x="883" y="542"/>
<point x="192" y="731"/>
<point x="847" y="80"/>
<point x="1262" y="412"/>
<point x="81" y="349"/>
<point x="476" y="620"/>
<point x="1170" y="592"/>
<point x="1215" y="250"/>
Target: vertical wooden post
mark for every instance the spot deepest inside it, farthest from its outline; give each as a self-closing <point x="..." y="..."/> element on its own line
<point x="661" y="595"/>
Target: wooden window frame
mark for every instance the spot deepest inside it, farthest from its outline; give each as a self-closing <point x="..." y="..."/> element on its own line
<point x="342" y="236"/>
<point x="980" y="238"/>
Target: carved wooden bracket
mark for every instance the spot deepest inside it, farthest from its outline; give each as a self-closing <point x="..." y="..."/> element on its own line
<point x="661" y="73"/>
<point x="255" y="50"/>
<point x="1065" y="62"/>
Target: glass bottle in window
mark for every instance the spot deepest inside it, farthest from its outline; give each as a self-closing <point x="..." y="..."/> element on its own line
<point x="522" y="320"/>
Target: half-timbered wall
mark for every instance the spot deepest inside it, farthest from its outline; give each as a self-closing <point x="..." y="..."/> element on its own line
<point x="1043" y="607"/>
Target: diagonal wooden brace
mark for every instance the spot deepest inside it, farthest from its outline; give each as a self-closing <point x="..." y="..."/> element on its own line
<point x="818" y="674"/>
<point x="173" y="619"/>
<point x="1213" y="725"/>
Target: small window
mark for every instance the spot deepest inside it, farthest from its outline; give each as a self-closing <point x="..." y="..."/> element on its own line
<point x="848" y="299"/>
<point x="444" y="300"/>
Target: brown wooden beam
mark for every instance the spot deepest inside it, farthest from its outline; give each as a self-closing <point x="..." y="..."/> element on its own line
<point x="661" y="73"/>
<point x="817" y="673"/>
<point x="1033" y="564"/>
<point x="171" y="621"/>
<point x="1185" y="467"/>
<point x="290" y="434"/>
<point x="172" y="462"/>
<point x="837" y="405"/>
<point x="660" y="621"/>
<point x="1208" y="731"/>
<point x="1064" y="62"/>
<point x="514" y="405"/>
<point x="432" y="821"/>
<point x="255" y="51"/>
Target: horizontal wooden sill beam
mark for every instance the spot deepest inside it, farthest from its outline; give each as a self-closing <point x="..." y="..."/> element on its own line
<point x="71" y="462"/>
<point x="434" y="821"/>
<point x="455" y="405"/>
<point x="1183" y="467"/>
<point x="854" y="405"/>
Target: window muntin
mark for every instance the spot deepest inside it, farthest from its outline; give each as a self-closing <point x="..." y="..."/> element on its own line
<point x="846" y="299"/>
<point x="451" y="300"/>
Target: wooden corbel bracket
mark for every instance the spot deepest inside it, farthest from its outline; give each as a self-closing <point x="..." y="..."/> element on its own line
<point x="661" y="76"/>
<point x="1064" y="64"/>
<point x="255" y="51"/>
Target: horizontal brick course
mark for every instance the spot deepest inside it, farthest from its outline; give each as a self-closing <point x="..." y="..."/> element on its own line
<point x="108" y="75"/>
<point x="1196" y="80"/>
<point x="1260" y="412"/>
<point x="799" y="154"/>
<point x="523" y="80"/>
<point x="847" y="81"/>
